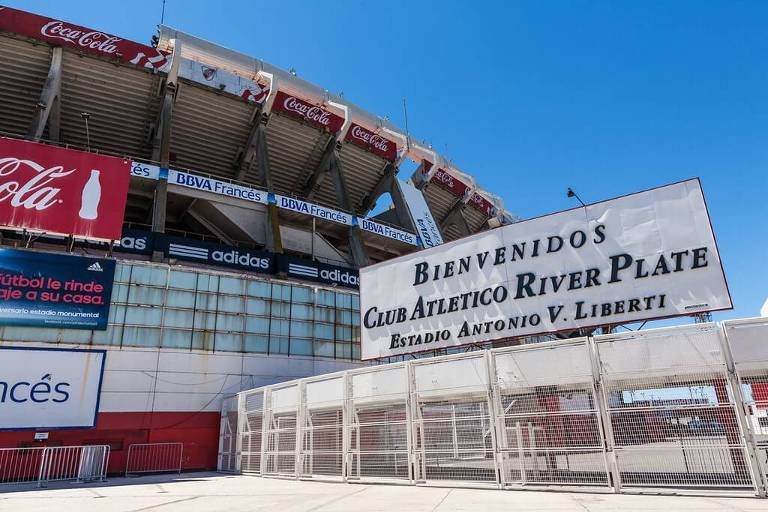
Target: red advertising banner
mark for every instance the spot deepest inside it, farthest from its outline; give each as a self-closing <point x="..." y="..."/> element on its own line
<point x="452" y="184"/>
<point x="301" y="109"/>
<point x="61" y="33"/>
<point x="371" y="141"/>
<point x="56" y="190"/>
<point x="482" y="204"/>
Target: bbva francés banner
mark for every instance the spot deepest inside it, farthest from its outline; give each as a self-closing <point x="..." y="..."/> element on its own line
<point x="49" y="387"/>
<point x="646" y="255"/>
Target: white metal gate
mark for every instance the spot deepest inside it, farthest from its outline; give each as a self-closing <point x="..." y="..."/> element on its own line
<point x="682" y="408"/>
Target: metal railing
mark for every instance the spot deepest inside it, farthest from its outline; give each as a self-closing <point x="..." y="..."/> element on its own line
<point x="154" y="458"/>
<point x="53" y="463"/>
<point x="680" y="408"/>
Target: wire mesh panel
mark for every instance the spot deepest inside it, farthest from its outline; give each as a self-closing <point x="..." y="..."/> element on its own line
<point x="672" y="410"/>
<point x="281" y="429"/>
<point x="748" y="340"/>
<point x="549" y="419"/>
<point x="657" y="408"/>
<point x="378" y="424"/>
<point x="454" y="432"/>
<point x="252" y="431"/>
<point x="322" y="447"/>
<point x="228" y="435"/>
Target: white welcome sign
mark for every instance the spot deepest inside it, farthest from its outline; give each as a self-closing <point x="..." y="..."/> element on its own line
<point x="642" y="256"/>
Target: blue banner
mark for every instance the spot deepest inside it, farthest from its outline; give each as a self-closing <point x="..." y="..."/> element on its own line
<point x="40" y="289"/>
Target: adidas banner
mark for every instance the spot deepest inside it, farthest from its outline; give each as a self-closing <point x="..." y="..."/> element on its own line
<point x="307" y="270"/>
<point x="215" y="254"/>
<point x="40" y="289"/>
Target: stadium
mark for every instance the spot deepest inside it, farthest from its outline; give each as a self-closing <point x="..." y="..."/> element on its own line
<point x="186" y="231"/>
<point x="249" y="212"/>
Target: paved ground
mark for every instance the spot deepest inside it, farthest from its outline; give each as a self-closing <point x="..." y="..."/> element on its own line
<point x="212" y="492"/>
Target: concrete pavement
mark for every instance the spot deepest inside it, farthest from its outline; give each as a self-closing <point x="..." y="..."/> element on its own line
<point x="211" y="492"/>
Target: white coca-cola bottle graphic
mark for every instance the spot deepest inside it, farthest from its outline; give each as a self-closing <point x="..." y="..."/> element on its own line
<point x="89" y="207"/>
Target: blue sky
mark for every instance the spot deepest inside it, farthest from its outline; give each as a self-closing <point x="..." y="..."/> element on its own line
<point x="532" y="97"/>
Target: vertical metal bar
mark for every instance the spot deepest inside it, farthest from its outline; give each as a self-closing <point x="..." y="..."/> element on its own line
<point x="601" y="401"/>
<point x="747" y="436"/>
<point x="490" y="372"/>
<point x="345" y="420"/>
<point x="240" y="401"/>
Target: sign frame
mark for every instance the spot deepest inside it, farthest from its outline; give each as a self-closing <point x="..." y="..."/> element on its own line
<point x="420" y="349"/>
<point x="99" y="387"/>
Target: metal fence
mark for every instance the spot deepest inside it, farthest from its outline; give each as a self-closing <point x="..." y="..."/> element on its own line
<point x="154" y="458"/>
<point x="53" y="463"/>
<point x="680" y="408"/>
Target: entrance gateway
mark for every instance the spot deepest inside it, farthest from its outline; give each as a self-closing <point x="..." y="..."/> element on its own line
<point x="675" y="408"/>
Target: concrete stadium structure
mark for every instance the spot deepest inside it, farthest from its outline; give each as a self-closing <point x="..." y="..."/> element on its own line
<point x="193" y="317"/>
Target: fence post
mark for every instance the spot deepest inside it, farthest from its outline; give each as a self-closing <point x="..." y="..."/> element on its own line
<point x="498" y="436"/>
<point x="604" y="418"/>
<point x="412" y="410"/>
<point x="266" y="421"/>
<point x="747" y="434"/>
<point x="301" y="409"/>
<point x="346" y="414"/>
<point x="241" y="416"/>
<point x="43" y="463"/>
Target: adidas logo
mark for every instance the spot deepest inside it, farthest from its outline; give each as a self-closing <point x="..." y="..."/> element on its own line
<point x="96" y="267"/>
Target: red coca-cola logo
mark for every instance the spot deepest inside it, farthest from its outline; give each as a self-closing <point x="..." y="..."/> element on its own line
<point x="304" y="110"/>
<point x="82" y="39"/>
<point x="36" y="193"/>
<point x="482" y="204"/>
<point x="56" y="190"/>
<point x="444" y="178"/>
<point x="307" y="111"/>
<point x="373" y="142"/>
<point x="370" y="138"/>
<point x="93" y="40"/>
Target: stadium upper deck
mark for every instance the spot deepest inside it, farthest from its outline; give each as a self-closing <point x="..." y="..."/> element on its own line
<point x="192" y="105"/>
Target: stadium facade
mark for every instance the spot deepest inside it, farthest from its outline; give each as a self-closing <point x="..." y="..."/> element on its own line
<point x="248" y="213"/>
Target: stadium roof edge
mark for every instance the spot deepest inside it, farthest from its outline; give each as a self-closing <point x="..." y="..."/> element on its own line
<point x="211" y="54"/>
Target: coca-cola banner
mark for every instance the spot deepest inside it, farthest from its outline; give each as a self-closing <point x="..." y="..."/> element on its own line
<point x="300" y="109"/>
<point x="61" y="33"/>
<point x="450" y="182"/>
<point x="62" y="191"/>
<point x="373" y="142"/>
<point x="482" y="204"/>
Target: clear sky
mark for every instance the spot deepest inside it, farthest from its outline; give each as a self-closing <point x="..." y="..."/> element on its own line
<point x="532" y="97"/>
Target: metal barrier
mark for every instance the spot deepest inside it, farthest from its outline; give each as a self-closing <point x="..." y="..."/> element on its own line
<point x="681" y="408"/>
<point x="154" y="458"/>
<point x="53" y="463"/>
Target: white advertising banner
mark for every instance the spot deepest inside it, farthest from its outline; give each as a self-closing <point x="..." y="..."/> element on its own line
<point x="215" y="186"/>
<point x="642" y="256"/>
<point x="49" y="388"/>
<point x="315" y="210"/>
<point x="227" y="189"/>
<point x="387" y="231"/>
<point x="427" y="228"/>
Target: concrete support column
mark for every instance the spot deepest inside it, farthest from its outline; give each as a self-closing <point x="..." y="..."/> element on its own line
<point x="49" y="105"/>
<point x="356" y="246"/>
<point x="161" y="151"/>
<point x="455" y="217"/>
<point x="274" y="239"/>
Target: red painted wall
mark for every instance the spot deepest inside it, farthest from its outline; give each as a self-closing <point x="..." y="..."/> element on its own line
<point x="199" y="431"/>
